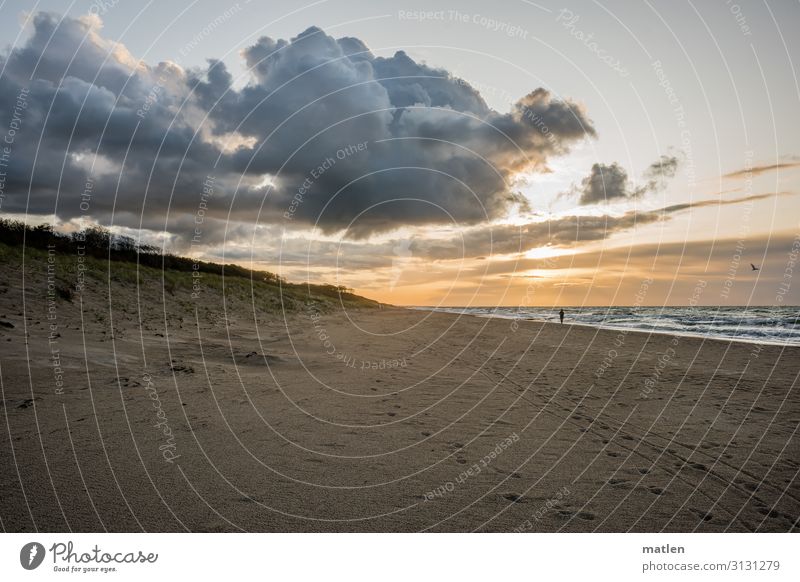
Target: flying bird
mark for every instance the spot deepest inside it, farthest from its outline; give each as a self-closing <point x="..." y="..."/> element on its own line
<point x="752" y="266"/>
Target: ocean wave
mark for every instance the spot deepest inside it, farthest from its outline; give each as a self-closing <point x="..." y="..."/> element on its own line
<point x="769" y="325"/>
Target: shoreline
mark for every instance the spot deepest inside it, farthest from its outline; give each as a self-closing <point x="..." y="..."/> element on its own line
<point x="701" y="336"/>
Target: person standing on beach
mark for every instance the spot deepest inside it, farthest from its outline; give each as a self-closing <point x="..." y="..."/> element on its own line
<point x="561" y="315"/>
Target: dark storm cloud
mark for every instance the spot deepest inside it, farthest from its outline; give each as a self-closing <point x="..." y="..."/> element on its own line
<point x="90" y="103"/>
<point x="609" y="182"/>
<point x="433" y="153"/>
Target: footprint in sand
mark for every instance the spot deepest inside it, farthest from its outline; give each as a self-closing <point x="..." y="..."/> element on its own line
<point x="27" y="402"/>
<point x="656" y="490"/>
<point x="704" y="515"/>
<point x="514" y="498"/>
<point x="585" y="515"/>
<point x="619" y="483"/>
<point x="770" y="512"/>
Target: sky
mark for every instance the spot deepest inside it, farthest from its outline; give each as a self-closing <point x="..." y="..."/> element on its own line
<point x="422" y="153"/>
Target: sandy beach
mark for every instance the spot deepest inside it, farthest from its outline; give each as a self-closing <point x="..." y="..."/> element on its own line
<point x="386" y="419"/>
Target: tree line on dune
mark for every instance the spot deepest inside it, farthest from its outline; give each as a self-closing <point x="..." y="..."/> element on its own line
<point x="100" y="243"/>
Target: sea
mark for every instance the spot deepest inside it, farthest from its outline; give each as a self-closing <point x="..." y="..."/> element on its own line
<point x="763" y="325"/>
